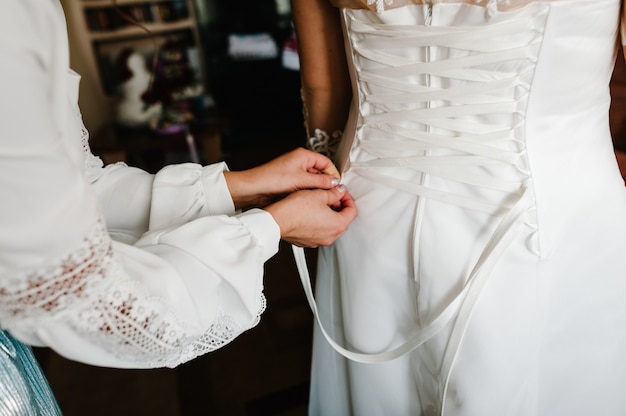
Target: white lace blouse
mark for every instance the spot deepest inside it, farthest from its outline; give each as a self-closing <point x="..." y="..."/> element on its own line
<point x="110" y="265"/>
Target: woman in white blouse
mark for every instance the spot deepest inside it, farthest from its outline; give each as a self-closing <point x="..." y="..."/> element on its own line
<point x="112" y="266"/>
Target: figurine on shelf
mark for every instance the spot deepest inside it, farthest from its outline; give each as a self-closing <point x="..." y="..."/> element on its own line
<point x="173" y="82"/>
<point x="132" y="110"/>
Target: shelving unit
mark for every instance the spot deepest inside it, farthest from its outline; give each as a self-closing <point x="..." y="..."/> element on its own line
<point x="256" y="97"/>
<point x="98" y="32"/>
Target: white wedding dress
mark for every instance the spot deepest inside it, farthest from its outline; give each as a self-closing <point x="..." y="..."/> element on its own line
<point x="491" y="235"/>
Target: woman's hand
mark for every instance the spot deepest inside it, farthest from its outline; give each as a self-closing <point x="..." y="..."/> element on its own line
<point x="296" y="170"/>
<point x="310" y="218"/>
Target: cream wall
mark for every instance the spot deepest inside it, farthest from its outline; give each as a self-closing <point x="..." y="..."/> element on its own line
<point x="96" y="108"/>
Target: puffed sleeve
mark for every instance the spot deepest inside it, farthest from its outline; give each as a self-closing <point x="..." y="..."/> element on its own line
<point x="184" y="278"/>
<point x="134" y="201"/>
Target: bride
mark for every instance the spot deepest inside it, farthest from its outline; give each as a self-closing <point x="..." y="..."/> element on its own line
<point x="485" y="274"/>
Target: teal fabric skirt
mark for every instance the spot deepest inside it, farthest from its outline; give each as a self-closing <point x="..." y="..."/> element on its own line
<point x="24" y="390"/>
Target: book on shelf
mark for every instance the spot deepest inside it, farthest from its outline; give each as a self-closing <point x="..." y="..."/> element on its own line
<point x="171" y="11"/>
<point x="112" y="18"/>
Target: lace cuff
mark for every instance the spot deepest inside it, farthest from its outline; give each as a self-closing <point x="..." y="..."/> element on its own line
<point x="88" y="291"/>
<point x="322" y="143"/>
<point x="53" y="290"/>
<point x="140" y="329"/>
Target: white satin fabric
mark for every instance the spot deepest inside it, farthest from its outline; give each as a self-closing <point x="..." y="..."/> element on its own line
<point x="110" y="265"/>
<point x="491" y="231"/>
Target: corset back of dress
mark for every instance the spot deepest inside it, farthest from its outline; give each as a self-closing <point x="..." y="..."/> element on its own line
<point x="466" y="106"/>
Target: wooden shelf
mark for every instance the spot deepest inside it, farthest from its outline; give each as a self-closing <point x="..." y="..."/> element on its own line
<point x="133" y="31"/>
<point x="108" y="3"/>
<point x="107" y="20"/>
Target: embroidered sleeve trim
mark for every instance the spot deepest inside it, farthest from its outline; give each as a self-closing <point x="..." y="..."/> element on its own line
<point x="91" y="161"/>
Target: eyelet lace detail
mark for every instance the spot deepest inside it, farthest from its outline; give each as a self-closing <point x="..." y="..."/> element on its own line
<point x="56" y="288"/>
<point x="130" y="324"/>
<point x="91" y="161"/>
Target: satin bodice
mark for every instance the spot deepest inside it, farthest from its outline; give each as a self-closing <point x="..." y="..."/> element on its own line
<point x="486" y="102"/>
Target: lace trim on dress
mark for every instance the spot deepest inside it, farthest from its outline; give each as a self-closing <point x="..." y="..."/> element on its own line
<point x="379" y="6"/>
<point x="323" y="143"/>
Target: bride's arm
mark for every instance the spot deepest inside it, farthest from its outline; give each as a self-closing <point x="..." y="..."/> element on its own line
<point x="620" y="153"/>
<point x="623" y="26"/>
<point x="326" y="89"/>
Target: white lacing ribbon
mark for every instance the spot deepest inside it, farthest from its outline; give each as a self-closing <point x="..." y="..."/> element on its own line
<point x="462" y="304"/>
<point x="441" y="137"/>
